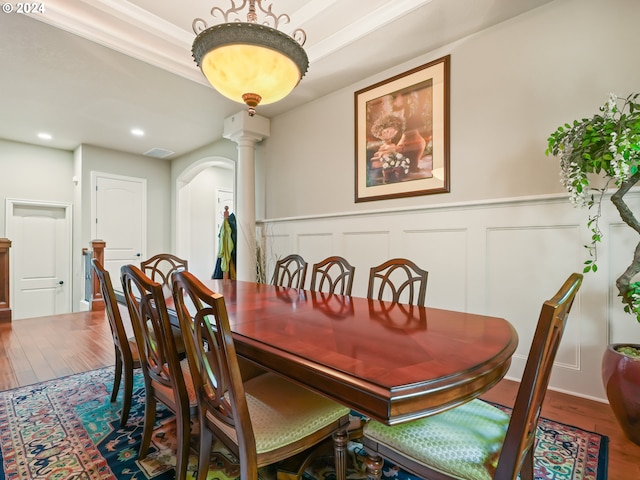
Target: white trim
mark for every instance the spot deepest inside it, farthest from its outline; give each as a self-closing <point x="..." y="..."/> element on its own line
<point x="499" y="202"/>
<point x="507" y="202"/>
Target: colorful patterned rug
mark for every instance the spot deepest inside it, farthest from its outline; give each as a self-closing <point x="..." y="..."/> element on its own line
<point x="67" y="428"/>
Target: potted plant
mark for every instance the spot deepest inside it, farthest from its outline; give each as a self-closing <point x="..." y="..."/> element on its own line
<point x="596" y="154"/>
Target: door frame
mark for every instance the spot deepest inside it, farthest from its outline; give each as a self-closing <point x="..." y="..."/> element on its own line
<point x="68" y="219"/>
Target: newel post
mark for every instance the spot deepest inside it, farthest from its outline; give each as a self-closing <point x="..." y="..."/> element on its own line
<point x="97" y="301"/>
<point x="5" y="310"/>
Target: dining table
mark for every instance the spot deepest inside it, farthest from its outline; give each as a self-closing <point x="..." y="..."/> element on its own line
<point x="388" y="361"/>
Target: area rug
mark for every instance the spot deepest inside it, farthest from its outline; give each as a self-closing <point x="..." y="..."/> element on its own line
<point x="67" y="428"/>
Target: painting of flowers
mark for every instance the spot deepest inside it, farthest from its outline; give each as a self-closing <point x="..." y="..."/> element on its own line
<point x="402" y="134"/>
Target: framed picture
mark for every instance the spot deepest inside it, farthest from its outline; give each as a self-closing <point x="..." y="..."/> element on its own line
<point x="402" y="134"/>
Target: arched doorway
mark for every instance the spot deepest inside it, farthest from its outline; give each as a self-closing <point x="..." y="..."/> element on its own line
<point x="201" y="191"/>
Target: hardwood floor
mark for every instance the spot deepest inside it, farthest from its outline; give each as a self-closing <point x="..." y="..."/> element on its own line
<point x="39" y="349"/>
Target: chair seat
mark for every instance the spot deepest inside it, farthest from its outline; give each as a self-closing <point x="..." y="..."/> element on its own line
<point x="463" y="442"/>
<point x="166" y="393"/>
<point x="283" y="413"/>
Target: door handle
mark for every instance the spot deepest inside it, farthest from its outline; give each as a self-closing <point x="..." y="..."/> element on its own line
<point x="61" y="282"/>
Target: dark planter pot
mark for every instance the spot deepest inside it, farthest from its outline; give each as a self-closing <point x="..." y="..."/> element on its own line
<point x="621" y="380"/>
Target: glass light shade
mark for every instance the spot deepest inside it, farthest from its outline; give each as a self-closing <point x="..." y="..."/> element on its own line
<point x="245" y="60"/>
<point x="234" y="70"/>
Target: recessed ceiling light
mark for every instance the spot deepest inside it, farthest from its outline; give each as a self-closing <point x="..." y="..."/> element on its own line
<point x="45" y="136"/>
<point x="138" y="132"/>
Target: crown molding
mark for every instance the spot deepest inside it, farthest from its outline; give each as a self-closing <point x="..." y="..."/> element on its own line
<point x="138" y="33"/>
<point x="128" y="29"/>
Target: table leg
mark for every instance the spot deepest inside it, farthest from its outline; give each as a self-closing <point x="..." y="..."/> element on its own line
<point x="374" y="466"/>
<point x="340" y="441"/>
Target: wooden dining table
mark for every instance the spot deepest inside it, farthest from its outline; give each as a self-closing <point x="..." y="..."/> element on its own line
<point x="388" y="361"/>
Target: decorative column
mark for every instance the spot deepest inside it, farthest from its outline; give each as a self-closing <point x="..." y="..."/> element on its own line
<point x="5" y="310"/>
<point x="246" y="131"/>
<point x="97" y="300"/>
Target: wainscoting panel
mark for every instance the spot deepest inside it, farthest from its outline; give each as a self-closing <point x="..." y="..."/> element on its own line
<point x="501" y="258"/>
<point x="283" y="244"/>
<point x="314" y="247"/>
<point x="517" y="285"/>
<point x="377" y="250"/>
<point x="443" y="253"/>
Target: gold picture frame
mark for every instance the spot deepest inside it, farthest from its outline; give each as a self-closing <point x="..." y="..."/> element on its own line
<point x="402" y="134"/>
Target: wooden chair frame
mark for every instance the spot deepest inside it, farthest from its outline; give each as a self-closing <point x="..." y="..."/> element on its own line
<point x="126" y="361"/>
<point x="415" y="283"/>
<point x="160" y="267"/>
<point x="220" y="387"/>
<point x="516" y="456"/>
<point x="290" y="272"/>
<point x="334" y="273"/>
<point x="164" y="377"/>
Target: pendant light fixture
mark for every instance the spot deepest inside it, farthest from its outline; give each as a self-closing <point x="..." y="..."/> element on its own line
<point x="250" y="62"/>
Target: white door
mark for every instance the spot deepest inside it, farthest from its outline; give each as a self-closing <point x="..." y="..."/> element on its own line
<point x="120" y="219"/>
<point x="40" y="235"/>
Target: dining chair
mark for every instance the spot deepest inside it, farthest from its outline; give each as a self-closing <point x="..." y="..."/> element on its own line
<point x="126" y="350"/>
<point x="332" y="275"/>
<point x="398" y="280"/>
<point x="478" y="441"/>
<point x="167" y="379"/>
<point x="262" y="420"/>
<point x="160" y="267"/>
<point x="290" y="271"/>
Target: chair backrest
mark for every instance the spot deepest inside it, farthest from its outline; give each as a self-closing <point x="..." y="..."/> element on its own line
<point x="332" y="275"/>
<point x="290" y="271"/>
<point x="160" y="267"/>
<point x="152" y="328"/>
<point x="521" y="433"/>
<point x="398" y="280"/>
<point x="112" y="309"/>
<point x="212" y="359"/>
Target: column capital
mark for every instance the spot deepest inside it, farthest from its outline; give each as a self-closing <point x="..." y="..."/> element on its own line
<point x="242" y="128"/>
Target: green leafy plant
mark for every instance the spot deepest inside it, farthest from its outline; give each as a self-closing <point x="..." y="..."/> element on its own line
<point x="596" y="154"/>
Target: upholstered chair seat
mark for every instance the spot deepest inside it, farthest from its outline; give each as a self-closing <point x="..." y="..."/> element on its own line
<point x="166" y="393"/>
<point x="282" y="413"/>
<point x="464" y="442"/>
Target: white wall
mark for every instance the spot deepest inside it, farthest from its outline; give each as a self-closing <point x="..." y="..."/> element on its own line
<point x="158" y="175"/>
<point x="40" y="173"/>
<point x="505" y="237"/>
<point x="511" y="86"/>
<point x="34" y="173"/>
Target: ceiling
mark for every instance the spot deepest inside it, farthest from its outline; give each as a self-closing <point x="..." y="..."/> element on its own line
<point x="88" y="71"/>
